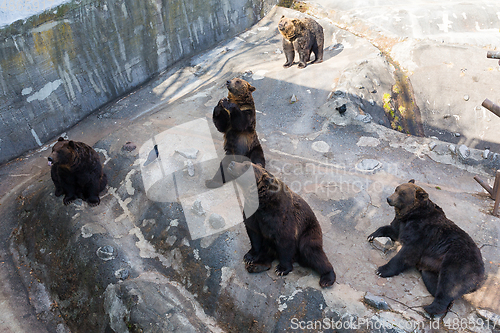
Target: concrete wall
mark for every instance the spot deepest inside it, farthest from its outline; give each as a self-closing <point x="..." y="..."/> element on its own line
<point x="59" y="66"/>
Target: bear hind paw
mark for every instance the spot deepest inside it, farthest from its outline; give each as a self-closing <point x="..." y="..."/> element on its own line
<point x="281" y="270"/>
<point x="327" y="279"/>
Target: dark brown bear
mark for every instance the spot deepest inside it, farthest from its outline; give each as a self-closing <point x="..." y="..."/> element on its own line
<point x="76" y="172"/>
<point x="304" y="36"/>
<point x="235" y="117"/>
<point x="283" y="227"/>
<point x="449" y="260"/>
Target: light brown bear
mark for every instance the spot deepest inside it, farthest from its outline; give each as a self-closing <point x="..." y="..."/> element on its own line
<point x="304" y="36"/>
<point x="235" y="117"/>
<point x="449" y="260"/>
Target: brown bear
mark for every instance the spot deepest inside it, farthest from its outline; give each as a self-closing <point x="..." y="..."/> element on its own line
<point x="283" y="227"/>
<point x="449" y="260"/>
<point x="76" y="172"/>
<point x="304" y="36"/>
<point x="235" y="117"/>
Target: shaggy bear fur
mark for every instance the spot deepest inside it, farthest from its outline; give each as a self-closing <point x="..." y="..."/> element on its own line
<point x="282" y="227"/>
<point x="76" y="172"/>
<point x="449" y="260"/>
<point x="304" y="36"/>
<point x="235" y="117"/>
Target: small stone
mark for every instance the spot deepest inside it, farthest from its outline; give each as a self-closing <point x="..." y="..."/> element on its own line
<point x="216" y="221"/>
<point x="359" y="86"/>
<point x="432" y="145"/>
<point x="190" y="167"/>
<point x="452" y="149"/>
<point x="122" y="274"/>
<point x="190" y="153"/>
<point x="106" y="253"/>
<point x="368" y="141"/>
<point x="129" y="146"/>
<point x="293" y="99"/>
<point x="376" y="301"/>
<point x="320" y="146"/>
<point x="381" y="122"/>
<point x="278" y="51"/>
<point x="457" y="135"/>
<point x="197" y="208"/>
<point x="490" y="316"/>
<point x="368" y="165"/>
<point x="366" y="118"/>
<point x="486" y="152"/>
<point x="463" y="151"/>
<point x="446" y="116"/>
<point x="371" y="101"/>
<point x="466" y="97"/>
<point x="383" y="244"/>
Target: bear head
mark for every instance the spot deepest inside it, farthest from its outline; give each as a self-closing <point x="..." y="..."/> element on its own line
<point x="240" y="91"/>
<point x="63" y="153"/>
<point x="267" y="184"/>
<point x="290" y="28"/>
<point x="407" y="197"/>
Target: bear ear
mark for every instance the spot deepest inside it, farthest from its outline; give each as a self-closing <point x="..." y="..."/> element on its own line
<point x="251" y="88"/>
<point x="411" y="181"/>
<point x="71" y="144"/>
<point x="421" y="194"/>
<point x="60" y="139"/>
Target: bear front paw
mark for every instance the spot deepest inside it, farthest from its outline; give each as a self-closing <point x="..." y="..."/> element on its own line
<point x="282" y="270"/>
<point x="257" y="267"/>
<point x="287" y="64"/>
<point x="385" y="271"/>
<point x="67" y="200"/>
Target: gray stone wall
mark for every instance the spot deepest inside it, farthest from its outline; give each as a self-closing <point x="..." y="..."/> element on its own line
<point x="59" y="66"/>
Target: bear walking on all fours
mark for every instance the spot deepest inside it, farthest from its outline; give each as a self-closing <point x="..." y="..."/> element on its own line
<point x="304" y="36"/>
<point x="235" y="117"/>
<point x="76" y="172"/>
<point x="283" y="227"/>
<point x="449" y="260"/>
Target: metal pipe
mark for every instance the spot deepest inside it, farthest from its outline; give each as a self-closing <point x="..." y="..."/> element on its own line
<point x="493" y="54"/>
<point x="491" y="106"/>
<point x="497" y="194"/>
<point x="484" y="185"/>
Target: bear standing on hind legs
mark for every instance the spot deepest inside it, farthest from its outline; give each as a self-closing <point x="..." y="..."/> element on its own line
<point x="449" y="260"/>
<point x="235" y="117"/>
<point x="304" y="36"/>
<point x="283" y="227"/>
<point x="76" y="172"/>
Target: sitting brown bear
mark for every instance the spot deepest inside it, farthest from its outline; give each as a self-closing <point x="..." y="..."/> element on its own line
<point x="76" y="172"/>
<point x="235" y="117"/>
<point x="282" y="227"/>
<point x="304" y="36"/>
<point x="449" y="260"/>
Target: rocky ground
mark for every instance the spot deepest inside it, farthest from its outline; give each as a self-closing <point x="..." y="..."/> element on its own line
<point x="143" y="262"/>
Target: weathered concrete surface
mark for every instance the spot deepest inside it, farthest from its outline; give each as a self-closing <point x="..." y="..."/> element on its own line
<point x="441" y="46"/>
<point x="161" y="279"/>
<point x="60" y="65"/>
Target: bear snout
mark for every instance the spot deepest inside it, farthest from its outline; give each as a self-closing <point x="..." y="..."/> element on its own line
<point x="389" y="201"/>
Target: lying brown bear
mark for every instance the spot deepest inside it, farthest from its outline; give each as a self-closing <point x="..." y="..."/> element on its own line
<point x="282" y="227"/>
<point x="304" y="36"/>
<point x="449" y="260"/>
<point x="76" y="172"/>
